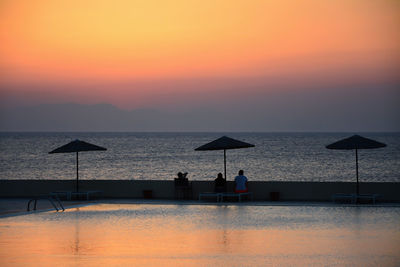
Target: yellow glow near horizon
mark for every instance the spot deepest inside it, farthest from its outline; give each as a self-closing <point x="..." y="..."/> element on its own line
<point x="123" y="39"/>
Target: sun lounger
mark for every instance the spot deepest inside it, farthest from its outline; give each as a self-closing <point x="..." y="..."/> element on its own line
<point x="343" y="196"/>
<point x="372" y="197"/>
<point x="210" y="194"/>
<point x="238" y="195"/>
<point x="354" y="198"/>
<point x="183" y="188"/>
<point x="220" y="195"/>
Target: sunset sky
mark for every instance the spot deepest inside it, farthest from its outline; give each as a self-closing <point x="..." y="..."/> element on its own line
<point x="193" y="55"/>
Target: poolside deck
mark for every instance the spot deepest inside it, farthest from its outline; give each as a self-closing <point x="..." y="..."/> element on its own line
<point x="162" y="189"/>
<point x="17" y="206"/>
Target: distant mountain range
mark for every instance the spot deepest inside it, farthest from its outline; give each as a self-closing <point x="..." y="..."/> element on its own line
<point x="102" y="117"/>
<point x="296" y="115"/>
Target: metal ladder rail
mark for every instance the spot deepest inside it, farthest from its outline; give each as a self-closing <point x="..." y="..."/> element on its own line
<point x="59" y="202"/>
<point x="49" y="198"/>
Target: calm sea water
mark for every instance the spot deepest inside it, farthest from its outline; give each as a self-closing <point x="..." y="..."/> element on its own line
<point x="159" y="156"/>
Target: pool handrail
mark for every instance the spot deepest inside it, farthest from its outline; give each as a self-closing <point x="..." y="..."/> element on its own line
<point x="49" y="198"/>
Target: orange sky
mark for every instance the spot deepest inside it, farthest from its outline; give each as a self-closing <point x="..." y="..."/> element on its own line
<point x="100" y="43"/>
<point x="135" y="39"/>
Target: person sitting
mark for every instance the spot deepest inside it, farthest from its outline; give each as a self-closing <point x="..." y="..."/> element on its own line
<point x="241" y="183"/>
<point x="183" y="189"/>
<point x="220" y="183"/>
<point x="182" y="180"/>
<point x="182" y="176"/>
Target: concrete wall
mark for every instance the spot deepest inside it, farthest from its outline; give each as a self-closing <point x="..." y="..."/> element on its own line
<point x="299" y="191"/>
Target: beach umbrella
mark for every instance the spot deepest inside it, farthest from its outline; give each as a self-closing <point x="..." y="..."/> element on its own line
<point x="356" y="142"/>
<point x="224" y="143"/>
<point x="77" y="146"/>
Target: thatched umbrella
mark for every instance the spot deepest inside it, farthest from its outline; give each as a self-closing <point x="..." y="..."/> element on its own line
<point x="224" y="143"/>
<point x="77" y="146"/>
<point x="356" y="142"/>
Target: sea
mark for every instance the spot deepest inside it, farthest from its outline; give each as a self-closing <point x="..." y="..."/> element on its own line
<point x="160" y="156"/>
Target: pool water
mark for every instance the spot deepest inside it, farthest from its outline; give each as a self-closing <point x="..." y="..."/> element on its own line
<point x="203" y="235"/>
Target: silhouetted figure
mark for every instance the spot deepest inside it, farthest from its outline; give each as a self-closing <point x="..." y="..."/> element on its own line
<point x="183" y="188"/>
<point x="220" y="183"/>
<point x="241" y="183"/>
<point x="181" y="180"/>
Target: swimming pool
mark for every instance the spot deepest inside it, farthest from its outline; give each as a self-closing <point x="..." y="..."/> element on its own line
<point x="203" y="235"/>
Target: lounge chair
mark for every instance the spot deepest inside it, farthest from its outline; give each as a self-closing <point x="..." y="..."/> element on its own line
<point x="183" y="188"/>
<point x="371" y="197"/>
<point x="344" y="196"/>
<point x="354" y="198"/>
<point x="218" y="195"/>
<point x="238" y="195"/>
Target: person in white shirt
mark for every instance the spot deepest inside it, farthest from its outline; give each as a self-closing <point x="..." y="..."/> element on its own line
<point x="241" y="183"/>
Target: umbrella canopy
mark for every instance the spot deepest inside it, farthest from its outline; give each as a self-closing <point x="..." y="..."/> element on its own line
<point x="356" y="142"/>
<point x="77" y="146"/>
<point x="224" y="143"/>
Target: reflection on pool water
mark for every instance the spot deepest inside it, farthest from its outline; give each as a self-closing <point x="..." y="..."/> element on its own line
<point x="203" y="235"/>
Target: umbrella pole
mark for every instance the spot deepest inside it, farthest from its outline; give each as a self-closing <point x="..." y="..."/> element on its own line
<point x="77" y="173"/>
<point x="225" y="163"/>
<point x="358" y="191"/>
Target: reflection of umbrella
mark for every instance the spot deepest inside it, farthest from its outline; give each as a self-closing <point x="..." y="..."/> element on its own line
<point x="224" y="143"/>
<point x="355" y="142"/>
<point x="77" y="146"/>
